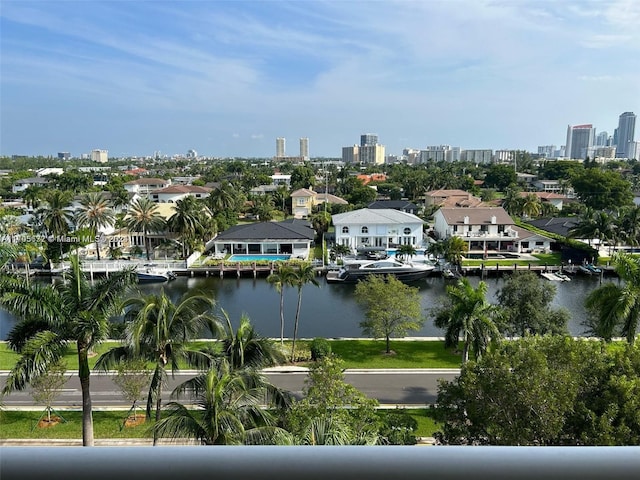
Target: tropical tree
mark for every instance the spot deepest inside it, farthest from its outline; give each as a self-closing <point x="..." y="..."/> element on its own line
<point x="95" y="213"/>
<point x="222" y="198"/>
<point x="392" y="308"/>
<point x="630" y="225"/>
<point x="244" y="347"/>
<point x="616" y="307"/>
<point x="143" y="216"/>
<point x="527" y="303"/>
<point x="303" y="275"/>
<point x="52" y="316"/>
<point x="162" y="332"/>
<point x="531" y="206"/>
<point x="512" y="201"/>
<point x="321" y="221"/>
<point x="454" y="249"/>
<point x="466" y="313"/>
<point x="282" y="277"/>
<point x="187" y="220"/>
<point x="32" y="196"/>
<point x="227" y="408"/>
<point x="57" y="215"/>
<point x="405" y="251"/>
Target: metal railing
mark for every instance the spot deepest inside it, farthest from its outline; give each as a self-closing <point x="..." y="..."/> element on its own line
<point x="320" y="462"/>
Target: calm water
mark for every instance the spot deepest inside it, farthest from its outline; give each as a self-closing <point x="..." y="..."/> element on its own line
<point x="331" y="310"/>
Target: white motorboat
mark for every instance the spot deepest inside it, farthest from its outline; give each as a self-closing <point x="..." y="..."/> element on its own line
<point x="153" y="273"/>
<point x="405" y="272"/>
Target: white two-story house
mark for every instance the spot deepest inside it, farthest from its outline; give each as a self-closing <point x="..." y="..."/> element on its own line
<point x="378" y="228"/>
<point x="487" y="229"/>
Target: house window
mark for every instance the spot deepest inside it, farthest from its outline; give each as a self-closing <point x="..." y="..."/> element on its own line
<point x="345" y="229"/>
<point x="365" y="240"/>
<point x="483" y="228"/>
<point x="455" y="228"/>
<point x="302" y="201"/>
<point x="539" y="244"/>
<point x="407" y="231"/>
<point x="365" y="230"/>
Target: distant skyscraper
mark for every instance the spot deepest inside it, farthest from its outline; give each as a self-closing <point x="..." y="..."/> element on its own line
<point x="280" y="147"/>
<point x="626" y="132"/>
<point x="100" y="156"/>
<point x="579" y="140"/>
<point x="368" y="139"/>
<point x="304" y="148"/>
<point x="601" y="139"/>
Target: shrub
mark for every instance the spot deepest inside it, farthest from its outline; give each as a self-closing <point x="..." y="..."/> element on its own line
<point x="320" y="348"/>
<point x="399" y="428"/>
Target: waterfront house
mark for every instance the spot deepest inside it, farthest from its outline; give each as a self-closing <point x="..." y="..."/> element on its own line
<point x="378" y="228"/>
<point x="290" y="237"/>
<point x="144" y="186"/>
<point x="487" y="229"/>
<point x="24" y="183"/>
<point x="555" y="199"/>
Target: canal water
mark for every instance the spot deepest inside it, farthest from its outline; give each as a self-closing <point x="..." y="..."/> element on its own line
<point x="330" y="310"/>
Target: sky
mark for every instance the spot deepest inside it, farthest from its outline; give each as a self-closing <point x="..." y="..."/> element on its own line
<point x="225" y="78"/>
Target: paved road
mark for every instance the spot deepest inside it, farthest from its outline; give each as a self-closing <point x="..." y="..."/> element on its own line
<point x="389" y="387"/>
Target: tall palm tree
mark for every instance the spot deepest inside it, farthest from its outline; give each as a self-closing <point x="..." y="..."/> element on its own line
<point x="187" y="221"/>
<point x="630" y="225"/>
<point x="303" y="275"/>
<point x="32" y="196"/>
<point x="227" y="408"/>
<point x="617" y="307"/>
<point x="512" y="201"/>
<point x="143" y="216"/>
<point x="604" y="227"/>
<point x="162" y="332"/>
<point x="52" y="316"/>
<point x="57" y="215"/>
<point x="95" y="213"/>
<point x="585" y="227"/>
<point x="282" y="278"/>
<point x="468" y="314"/>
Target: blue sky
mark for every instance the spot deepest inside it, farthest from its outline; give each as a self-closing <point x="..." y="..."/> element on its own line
<point x="227" y="77"/>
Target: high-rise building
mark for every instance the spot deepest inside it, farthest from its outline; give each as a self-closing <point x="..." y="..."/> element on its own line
<point x="304" y="148"/>
<point x="368" y="139"/>
<point x="371" y="154"/>
<point x="64" y="155"/>
<point x="579" y="141"/>
<point x="100" y="156"/>
<point x="280" y="147"/>
<point x="626" y="132"/>
<point x="601" y="139"/>
<point x="351" y="154"/>
<point x="477" y="156"/>
<point x="547" y="151"/>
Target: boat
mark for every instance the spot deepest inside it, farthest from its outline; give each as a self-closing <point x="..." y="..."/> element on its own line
<point x="551" y="276"/>
<point x="590" y="269"/>
<point x="153" y="273"/>
<point x="563" y="276"/>
<point x="405" y="272"/>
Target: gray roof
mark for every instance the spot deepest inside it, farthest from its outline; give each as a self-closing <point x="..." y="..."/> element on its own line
<point x="476" y="215"/>
<point x="372" y="216"/>
<point x="394" y="204"/>
<point x="268" y="231"/>
<point x="557" y="225"/>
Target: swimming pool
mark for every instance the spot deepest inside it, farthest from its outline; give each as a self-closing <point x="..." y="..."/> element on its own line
<point x="257" y="258"/>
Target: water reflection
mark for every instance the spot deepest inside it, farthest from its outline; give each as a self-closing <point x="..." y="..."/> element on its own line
<point x="331" y="310"/>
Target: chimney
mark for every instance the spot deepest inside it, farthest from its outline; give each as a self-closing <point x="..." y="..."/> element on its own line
<point x="466" y="220"/>
<point x="493" y="219"/>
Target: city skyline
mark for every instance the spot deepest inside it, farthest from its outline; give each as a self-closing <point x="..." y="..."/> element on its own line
<point x="227" y="78"/>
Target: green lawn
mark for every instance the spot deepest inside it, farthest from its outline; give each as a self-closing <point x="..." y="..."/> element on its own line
<point x="355" y="353"/>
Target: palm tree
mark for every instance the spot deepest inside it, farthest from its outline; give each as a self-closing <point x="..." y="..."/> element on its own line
<point x="95" y="213"/>
<point x="144" y="217"/>
<point x="222" y="198"/>
<point x="282" y="278"/>
<point x="405" y="251"/>
<point x="585" y="228"/>
<point x="32" y="196"/>
<point x="162" y="332"/>
<point x="468" y="314"/>
<point x="52" y="316"/>
<point x="454" y="249"/>
<point x="245" y="348"/>
<point x="57" y="215"/>
<point x="531" y="206"/>
<point x="630" y="225"/>
<point x="604" y="227"/>
<point x="617" y="307"/>
<point x="228" y="408"/>
<point x="512" y="201"/>
<point x="303" y="275"/>
<point x="187" y="220"/>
